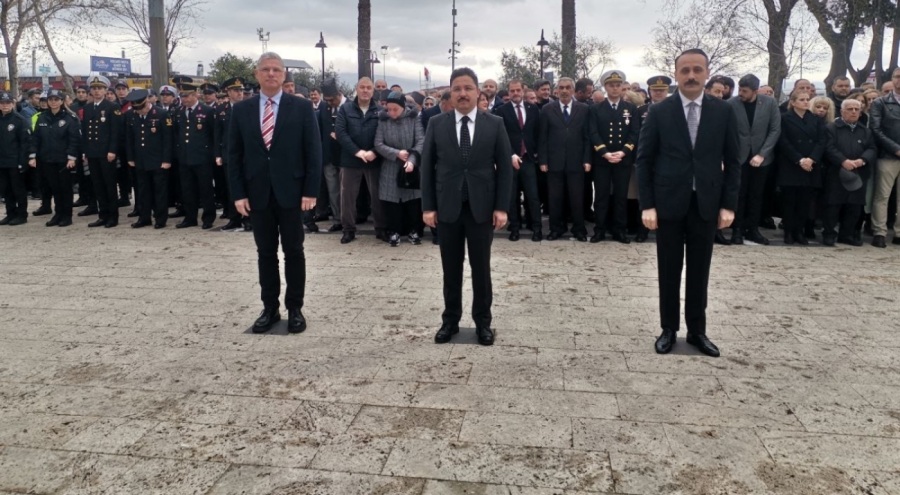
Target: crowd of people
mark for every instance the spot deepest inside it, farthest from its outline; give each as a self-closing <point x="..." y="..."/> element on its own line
<point x="815" y="161"/>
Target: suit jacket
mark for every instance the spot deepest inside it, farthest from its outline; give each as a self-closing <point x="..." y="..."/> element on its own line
<point x="291" y="168"/>
<point x="564" y="147"/>
<point x="668" y="166"/>
<point x="528" y="134"/>
<point x="761" y="138"/>
<point x="488" y="172"/>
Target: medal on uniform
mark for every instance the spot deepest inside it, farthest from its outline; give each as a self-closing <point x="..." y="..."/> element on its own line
<point x="153" y="130"/>
<point x="102" y="115"/>
<point x="62" y="123"/>
<point x="199" y="126"/>
<point x="10" y="127"/>
<point x="627" y="116"/>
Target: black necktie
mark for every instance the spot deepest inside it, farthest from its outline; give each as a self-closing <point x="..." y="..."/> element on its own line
<point x="465" y="146"/>
<point x="566" y="113"/>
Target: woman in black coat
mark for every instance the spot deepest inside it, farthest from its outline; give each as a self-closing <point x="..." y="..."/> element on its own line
<point x="799" y="159"/>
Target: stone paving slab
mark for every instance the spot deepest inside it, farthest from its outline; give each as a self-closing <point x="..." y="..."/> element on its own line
<point x="127" y="366"/>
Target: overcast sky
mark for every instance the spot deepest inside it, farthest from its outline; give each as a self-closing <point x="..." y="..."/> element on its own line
<point x="418" y="34"/>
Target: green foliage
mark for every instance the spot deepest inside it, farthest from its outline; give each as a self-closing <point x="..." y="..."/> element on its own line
<point x="231" y="65"/>
<point x="592" y="56"/>
<point x="312" y="79"/>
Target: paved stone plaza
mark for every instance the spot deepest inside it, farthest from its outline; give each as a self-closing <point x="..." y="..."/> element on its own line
<point x="127" y="367"/>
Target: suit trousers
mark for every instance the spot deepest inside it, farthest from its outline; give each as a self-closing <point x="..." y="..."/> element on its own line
<point x="672" y="237"/>
<point x="58" y="179"/>
<point x="616" y="176"/>
<point x="559" y="186"/>
<point x="197" y="191"/>
<point x="153" y="194"/>
<point x="103" y="174"/>
<point x="220" y="182"/>
<point x="231" y="212"/>
<point x="844" y="216"/>
<point x="796" y="202"/>
<point x="526" y="179"/>
<point x="270" y="224"/>
<point x="886" y="177"/>
<point x="12" y="187"/>
<point x="333" y="183"/>
<point x="751" y="197"/>
<point x="454" y="238"/>
<point x="351" y="178"/>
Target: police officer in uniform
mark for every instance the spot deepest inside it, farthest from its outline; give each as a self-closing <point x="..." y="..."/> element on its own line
<point x="15" y="140"/>
<point x="658" y="87"/>
<point x="149" y="140"/>
<point x="613" y="129"/>
<point x="195" y="130"/>
<point x="54" y="150"/>
<point x="235" y="89"/>
<point x="100" y="129"/>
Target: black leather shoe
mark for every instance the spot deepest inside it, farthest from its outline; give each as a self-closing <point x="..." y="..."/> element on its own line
<point x="446" y="332"/>
<point x="537" y="236"/>
<point x="43" y="210"/>
<point x="231" y="225"/>
<point x="5" y="220"/>
<point x="514" y="235"/>
<point x="65" y="222"/>
<point x="721" y="239"/>
<point x="801" y="239"/>
<point x="829" y="240"/>
<point x="207" y="225"/>
<point x="348" y="237"/>
<point x="296" y="321"/>
<point x="320" y="218"/>
<point x="767" y="223"/>
<point x="485" y="335"/>
<point x="435" y="240"/>
<point x="133" y="213"/>
<point x="111" y="223"/>
<point x="178" y="213"/>
<point x="185" y="224"/>
<point x="581" y="237"/>
<point x="78" y="204"/>
<point x="878" y="241"/>
<point x="703" y="344"/>
<point x="755" y="236"/>
<point x="598" y="236"/>
<point x="141" y="223"/>
<point x="737" y="239"/>
<point x="311" y="228"/>
<point x="248" y="227"/>
<point x="53" y="222"/>
<point x="850" y="241"/>
<point x="788" y="238"/>
<point x="382" y="235"/>
<point x="896" y="240"/>
<point x="267" y="318"/>
<point x="621" y="237"/>
<point x="18" y="221"/>
<point x="641" y="236"/>
<point x="335" y="227"/>
<point x="159" y="225"/>
<point x="666" y="341"/>
<point x="554" y="236"/>
<point x="90" y="210"/>
<point x="97" y="223"/>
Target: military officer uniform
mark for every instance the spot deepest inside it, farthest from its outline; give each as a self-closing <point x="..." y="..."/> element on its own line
<point x="195" y="143"/>
<point x="100" y="130"/>
<point x="210" y="99"/>
<point x="150" y="143"/>
<point x="15" y="140"/>
<point x="124" y="174"/>
<point x="54" y="150"/>
<point x="654" y="84"/>
<point x="174" y="178"/>
<point x="613" y="130"/>
<point x="223" y="120"/>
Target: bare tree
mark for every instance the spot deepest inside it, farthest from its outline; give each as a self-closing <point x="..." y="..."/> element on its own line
<point x="182" y="19"/>
<point x="840" y="23"/>
<point x="364" y="38"/>
<point x="567" y="66"/>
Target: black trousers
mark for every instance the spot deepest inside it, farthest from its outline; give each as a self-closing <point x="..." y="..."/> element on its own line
<point x="616" y="176"/>
<point x="197" y="191"/>
<point x="559" y="186"/>
<point x="526" y="179"/>
<point x="454" y="238"/>
<point x="403" y="218"/>
<point x="231" y="212"/>
<point x="672" y="237"/>
<point x="59" y="180"/>
<point x="543" y="192"/>
<point x="12" y="187"/>
<point x="270" y="224"/>
<point x="153" y="194"/>
<point x="41" y="187"/>
<point x="751" y="197"/>
<point x="124" y="177"/>
<point x="221" y="188"/>
<point x="846" y="216"/>
<point x="103" y="174"/>
<point x="796" y="203"/>
<point x="85" y="185"/>
<point x="175" y="184"/>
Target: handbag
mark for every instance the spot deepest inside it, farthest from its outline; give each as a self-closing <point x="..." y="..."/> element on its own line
<point x="411" y="180"/>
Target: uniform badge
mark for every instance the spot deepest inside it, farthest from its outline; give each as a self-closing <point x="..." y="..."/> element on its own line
<point x="199" y="127"/>
<point x="102" y="115"/>
<point x="117" y="112"/>
<point x="62" y="123"/>
<point x="627" y="116"/>
<point x="153" y="130"/>
<point x="11" y="127"/>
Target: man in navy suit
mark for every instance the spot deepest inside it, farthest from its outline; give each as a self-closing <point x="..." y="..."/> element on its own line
<point x="274" y="171"/>
<point x="689" y="173"/>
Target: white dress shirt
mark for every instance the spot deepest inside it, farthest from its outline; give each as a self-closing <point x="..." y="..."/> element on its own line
<point x="685" y="101"/>
<point x="516" y="111"/>
<point x="471" y="124"/>
<point x="262" y="106"/>
<point x="188" y="110"/>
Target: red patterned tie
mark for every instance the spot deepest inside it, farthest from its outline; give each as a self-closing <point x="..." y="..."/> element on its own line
<point x="521" y="126"/>
<point x="268" y="123"/>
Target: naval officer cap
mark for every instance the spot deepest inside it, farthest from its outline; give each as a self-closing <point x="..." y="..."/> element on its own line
<point x="612" y="76"/>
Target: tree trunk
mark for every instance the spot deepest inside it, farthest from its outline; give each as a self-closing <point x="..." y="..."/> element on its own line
<point x="67" y="79"/>
<point x="875" y="48"/>
<point x="568" y="63"/>
<point x="841" y="43"/>
<point x="364" y="38"/>
<point x="895" y="47"/>
<point x="779" y="18"/>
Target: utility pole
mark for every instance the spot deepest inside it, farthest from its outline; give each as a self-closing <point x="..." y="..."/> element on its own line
<point x="159" y="63"/>
<point x="264" y="39"/>
<point x="454" y="43"/>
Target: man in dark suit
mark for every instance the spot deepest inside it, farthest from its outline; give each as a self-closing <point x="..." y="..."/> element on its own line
<point x="564" y="153"/>
<point x="195" y="147"/>
<point x="521" y="120"/>
<point x="274" y="168"/>
<point x="466" y="187"/>
<point x="689" y="173"/>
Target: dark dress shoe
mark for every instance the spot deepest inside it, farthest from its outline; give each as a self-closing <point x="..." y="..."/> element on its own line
<point x="829" y="240"/>
<point x="703" y="344"/>
<point x="446" y="332"/>
<point x="767" y="223"/>
<point x="621" y="237"/>
<point x="737" y="239"/>
<point x="320" y="218"/>
<point x="598" y="237"/>
<point x="485" y="335"/>
<point x="43" y="210"/>
<point x="554" y="236"/>
<point x="537" y="236"/>
<point x="850" y="241"/>
<point x="514" y="235"/>
<point x="185" y="224"/>
<point x="159" y="225"/>
<point x="98" y="223"/>
<point x="581" y="237"/>
<point x="124" y="202"/>
<point x="348" y="237"/>
<point x="335" y="227"/>
<point x="223" y="216"/>
<point x="666" y="341"/>
<point x="788" y="238"/>
<point x="232" y="225"/>
<point x="296" y="321"/>
<point x="896" y="240"/>
<point x="53" y="222"/>
<point x="141" y="223"/>
<point x="177" y="214"/>
<point x="721" y="239"/>
<point x="267" y="318"/>
<point x="112" y="223"/>
<point x="311" y="228"/>
<point x="809" y="232"/>
<point x="878" y="241"/>
<point x="64" y="222"/>
<point x="248" y="227"/>
<point x="5" y="220"/>
<point x="382" y="235"/>
<point x="133" y="213"/>
<point x="801" y="239"/>
<point x="435" y="240"/>
<point x="78" y="204"/>
<point x="755" y="236"/>
<point x="207" y="225"/>
<point x="18" y="221"/>
<point x="90" y="210"/>
<point x="641" y="236"/>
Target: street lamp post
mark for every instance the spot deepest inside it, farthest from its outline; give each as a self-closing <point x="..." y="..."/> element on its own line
<point x="542" y="43"/>
<point x="373" y="59"/>
<point x="263" y="38"/>
<point x="321" y="44"/>
<point x="384" y="62"/>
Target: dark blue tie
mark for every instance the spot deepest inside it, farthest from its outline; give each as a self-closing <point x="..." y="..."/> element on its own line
<point x="566" y="115"/>
<point x="465" y="146"/>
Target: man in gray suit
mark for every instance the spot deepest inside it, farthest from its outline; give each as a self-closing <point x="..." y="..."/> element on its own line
<point x="758" y="125"/>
